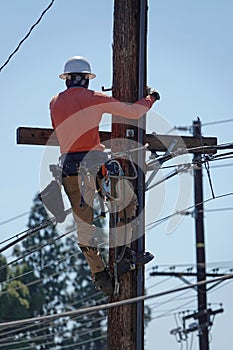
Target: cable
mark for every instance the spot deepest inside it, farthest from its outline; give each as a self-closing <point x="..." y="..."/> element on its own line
<point x="88" y="341"/>
<point x="153" y="318"/>
<point x="85" y="326"/>
<point x="213" y="159"/>
<point x="27" y="35"/>
<point x="218" y="122"/>
<point x="40" y="268"/>
<point x="26" y="328"/>
<point x="157" y="222"/>
<point x="46" y="336"/>
<point x="219" y="209"/>
<point x="32" y="230"/>
<point x="158" y="283"/>
<point x="92" y="309"/>
<point x="175" y="298"/>
<point x="12" y="219"/>
<point x="221" y="166"/>
<point x="51" y="240"/>
<point x="189" y="127"/>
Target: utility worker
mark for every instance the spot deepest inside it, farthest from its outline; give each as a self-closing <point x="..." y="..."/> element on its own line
<point x="76" y="114"/>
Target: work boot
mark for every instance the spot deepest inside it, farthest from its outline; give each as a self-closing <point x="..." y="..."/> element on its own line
<point x="104" y="282"/>
<point x="131" y="260"/>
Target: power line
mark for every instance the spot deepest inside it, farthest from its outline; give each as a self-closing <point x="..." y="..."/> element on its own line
<point x="189" y="127"/>
<point x="191" y="165"/>
<point x="27" y="328"/>
<point x="13" y="218"/>
<point x="16" y="277"/>
<point x="27" y="35"/>
<point x="221" y="166"/>
<point x="217" y="122"/>
<point x="52" y="240"/>
<point x="11" y="341"/>
<point x="92" y="309"/>
<point x="164" y="167"/>
<point x="159" y="221"/>
<point x="219" y="209"/>
<point x="32" y="230"/>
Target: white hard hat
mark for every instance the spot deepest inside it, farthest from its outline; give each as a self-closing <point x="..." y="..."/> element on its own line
<point x="77" y="64"/>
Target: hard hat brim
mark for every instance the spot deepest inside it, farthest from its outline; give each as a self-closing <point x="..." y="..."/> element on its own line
<point x="64" y="75"/>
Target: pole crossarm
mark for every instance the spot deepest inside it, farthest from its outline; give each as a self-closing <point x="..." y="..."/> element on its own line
<point x="157" y="143"/>
<point x="181" y="274"/>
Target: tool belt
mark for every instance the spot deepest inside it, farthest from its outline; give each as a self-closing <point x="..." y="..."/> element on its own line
<point x="73" y="163"/>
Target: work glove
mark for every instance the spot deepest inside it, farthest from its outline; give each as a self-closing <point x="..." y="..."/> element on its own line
<point x="153" y="92"/>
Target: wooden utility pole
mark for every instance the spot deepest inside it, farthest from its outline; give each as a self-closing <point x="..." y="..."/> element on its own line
<point x="126" y="323"/>
<point x="200" y="245"/>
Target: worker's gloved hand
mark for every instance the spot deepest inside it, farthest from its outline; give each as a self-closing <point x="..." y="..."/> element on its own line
<point x="153" y="92"/>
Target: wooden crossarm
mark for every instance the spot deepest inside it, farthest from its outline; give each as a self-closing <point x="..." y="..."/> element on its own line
<point x="159" y="143"/>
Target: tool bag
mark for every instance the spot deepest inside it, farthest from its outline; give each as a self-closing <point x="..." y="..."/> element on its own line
<point x="52" y="199"/>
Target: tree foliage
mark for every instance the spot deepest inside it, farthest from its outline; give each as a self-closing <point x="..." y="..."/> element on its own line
<point x="51" y="276"/>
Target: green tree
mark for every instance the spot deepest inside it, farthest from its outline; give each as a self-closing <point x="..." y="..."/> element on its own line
<point x="14" y="297"/>
<point x="58" y="280"/>
<point x="14" y="305"/>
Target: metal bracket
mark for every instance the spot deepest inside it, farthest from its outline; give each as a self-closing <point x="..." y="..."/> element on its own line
<point x="158" y="164"/>
<point x="106" y="89"/>
<point x="129" y="132"/>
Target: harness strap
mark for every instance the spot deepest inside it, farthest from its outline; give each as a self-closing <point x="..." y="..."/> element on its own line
<point x="87" y="249"/>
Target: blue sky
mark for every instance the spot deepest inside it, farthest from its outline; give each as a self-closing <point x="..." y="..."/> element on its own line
<point x="190" y="55"/>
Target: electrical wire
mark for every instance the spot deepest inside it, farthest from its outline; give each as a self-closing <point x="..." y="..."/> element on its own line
<point x="189" y="127"/>
<point x="12" y="219"/>
<point x="217" y="122"/>
<point x="157" y="305"/>
<point x="213" y="158"/>
<point x="51" y="240"/>
<point x="27" y="35"/>
<point x="89" y="310"/>
<point x="32" y="230"/>
<point x="218" y="209"/>
<point x="40" y="268"/>
<point x="23" y="232"/>
<point x="64" y="321"/>
<point x="176" y="299"/>
<point x="221" y="166"/>
<point x="26" y="328"/>
<point x="151" y="225"/>
<point x="43" y="337"/>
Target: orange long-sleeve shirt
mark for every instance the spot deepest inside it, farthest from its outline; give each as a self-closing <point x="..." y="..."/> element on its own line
<point x="76" y="114"/>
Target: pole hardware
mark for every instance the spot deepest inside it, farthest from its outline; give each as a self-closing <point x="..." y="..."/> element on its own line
<point x="106" y="89"/>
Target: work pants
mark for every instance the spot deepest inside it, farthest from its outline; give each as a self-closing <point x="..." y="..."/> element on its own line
<point x="81" y="197"/>
<point x="81" y="192"/>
